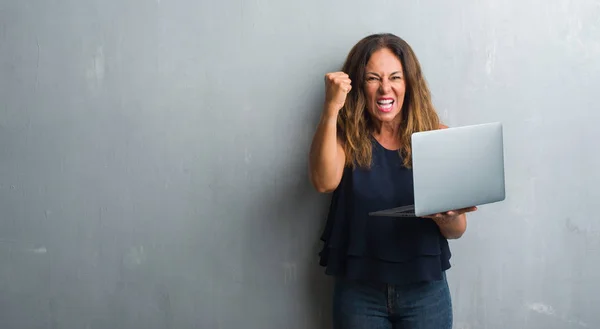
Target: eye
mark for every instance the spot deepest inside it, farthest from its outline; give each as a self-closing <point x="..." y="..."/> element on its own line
<point x="371" y="78"/>
<point x="396" y="77"/>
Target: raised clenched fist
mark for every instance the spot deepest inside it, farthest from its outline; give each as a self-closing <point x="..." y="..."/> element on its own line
<point x="337" y="86"/>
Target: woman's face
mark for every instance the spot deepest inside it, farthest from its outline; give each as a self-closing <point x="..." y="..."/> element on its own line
<point x="384" y="85"/>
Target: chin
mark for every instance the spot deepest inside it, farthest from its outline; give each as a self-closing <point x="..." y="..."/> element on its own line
<point x="385" y="116"/>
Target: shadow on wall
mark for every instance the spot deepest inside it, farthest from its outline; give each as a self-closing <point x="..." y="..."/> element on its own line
<point x="296" y="216"/>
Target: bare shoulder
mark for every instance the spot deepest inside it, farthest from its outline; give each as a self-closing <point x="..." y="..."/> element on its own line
<point x="443" y="126"/>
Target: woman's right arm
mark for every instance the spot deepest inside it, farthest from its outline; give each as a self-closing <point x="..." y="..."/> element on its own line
<point x="327" y="158"/>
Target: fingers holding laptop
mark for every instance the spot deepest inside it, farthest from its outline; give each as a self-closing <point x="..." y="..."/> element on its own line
<point x="460" y="211"/>
<point x="451" y="214"/>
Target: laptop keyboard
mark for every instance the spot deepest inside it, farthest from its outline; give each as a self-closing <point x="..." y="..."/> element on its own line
<point x="404" y="211"/>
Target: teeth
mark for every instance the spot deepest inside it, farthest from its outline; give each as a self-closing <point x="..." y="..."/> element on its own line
<point x="386" y="102"/>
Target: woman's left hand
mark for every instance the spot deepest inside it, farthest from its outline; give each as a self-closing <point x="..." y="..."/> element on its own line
<point x="450" y="215"/>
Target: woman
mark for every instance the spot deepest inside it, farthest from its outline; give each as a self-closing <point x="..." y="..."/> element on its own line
<point x="390" y="272"/>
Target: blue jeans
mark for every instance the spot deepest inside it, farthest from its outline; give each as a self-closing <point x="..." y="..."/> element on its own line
<point x="360" y="305"/>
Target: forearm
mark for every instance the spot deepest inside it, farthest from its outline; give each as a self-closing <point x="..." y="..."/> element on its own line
<point x="324" y="154"/>
<point x="454" y="228"/>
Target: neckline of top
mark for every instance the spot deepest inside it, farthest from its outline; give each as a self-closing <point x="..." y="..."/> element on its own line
<point x="383" y="147"/>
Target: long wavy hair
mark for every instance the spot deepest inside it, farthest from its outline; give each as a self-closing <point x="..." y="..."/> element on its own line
<point x="355" y="124"/>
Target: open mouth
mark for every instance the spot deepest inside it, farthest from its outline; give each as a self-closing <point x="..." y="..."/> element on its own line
<point x="385" y="105"/>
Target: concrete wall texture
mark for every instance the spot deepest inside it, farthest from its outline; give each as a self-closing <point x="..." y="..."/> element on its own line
<point x="153" y="158"/>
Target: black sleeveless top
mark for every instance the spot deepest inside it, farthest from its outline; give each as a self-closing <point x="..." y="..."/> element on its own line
<point x="393" y="250"/>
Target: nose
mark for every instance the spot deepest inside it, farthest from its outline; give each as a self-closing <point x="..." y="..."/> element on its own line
<point x="385" y="86"/>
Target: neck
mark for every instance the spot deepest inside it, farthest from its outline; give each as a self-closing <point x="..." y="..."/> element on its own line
<point x="386" y="130"/>
<point x="387" y="135"/>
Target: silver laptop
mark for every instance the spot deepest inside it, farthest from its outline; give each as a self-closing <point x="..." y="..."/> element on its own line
<point x="455" y="168"/>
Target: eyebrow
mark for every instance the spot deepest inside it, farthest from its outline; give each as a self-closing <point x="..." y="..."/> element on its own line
<point x="393" y="73"/>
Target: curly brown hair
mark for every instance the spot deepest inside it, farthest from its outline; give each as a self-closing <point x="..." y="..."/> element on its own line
<point x="417" y="113"/>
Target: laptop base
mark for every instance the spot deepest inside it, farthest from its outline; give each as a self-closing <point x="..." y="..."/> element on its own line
<point x="404" y="211"/>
